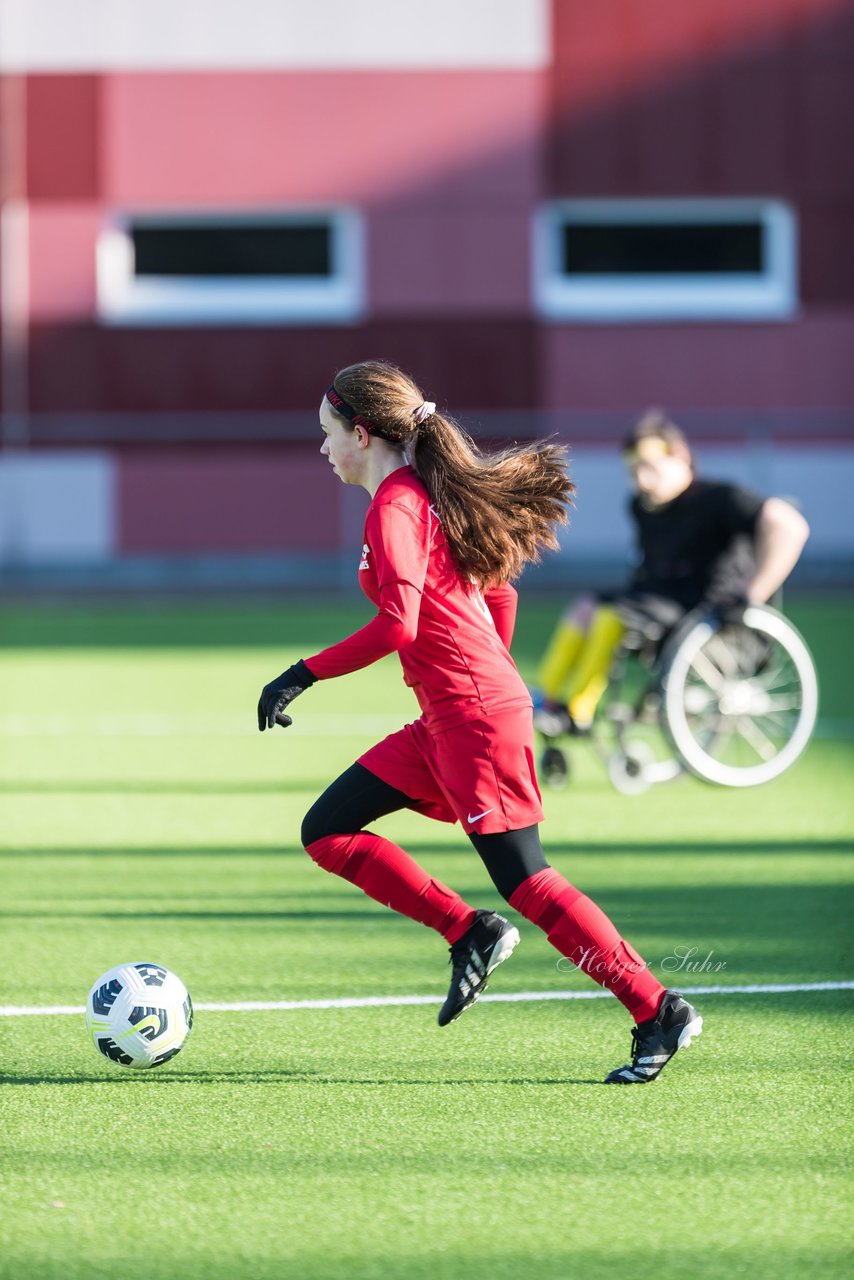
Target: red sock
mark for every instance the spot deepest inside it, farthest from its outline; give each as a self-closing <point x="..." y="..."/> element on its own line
<point x="388" y="874"/>
<point x="582" y="932"/>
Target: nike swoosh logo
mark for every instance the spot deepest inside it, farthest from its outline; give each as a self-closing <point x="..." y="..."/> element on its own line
<point x="476" y="817"/>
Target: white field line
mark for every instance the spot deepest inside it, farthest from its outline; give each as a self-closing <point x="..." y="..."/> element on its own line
<point x="318" y="724"/>
<point x="373" y="1002"/>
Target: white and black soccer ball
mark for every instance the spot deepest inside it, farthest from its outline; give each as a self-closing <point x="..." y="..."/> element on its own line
<point x="139" y="1014"/>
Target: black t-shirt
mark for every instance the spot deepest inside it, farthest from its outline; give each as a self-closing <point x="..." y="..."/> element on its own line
<point x="698" y="547"/>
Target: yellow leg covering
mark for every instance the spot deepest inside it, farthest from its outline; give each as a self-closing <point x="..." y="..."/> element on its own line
<point x="564" y="647"/>
<point x="590" y="677"/>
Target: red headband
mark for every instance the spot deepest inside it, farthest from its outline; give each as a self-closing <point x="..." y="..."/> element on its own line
<point x="340" y="405"/>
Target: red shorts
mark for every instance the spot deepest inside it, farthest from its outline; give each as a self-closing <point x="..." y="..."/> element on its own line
<point x="480" y="774"/>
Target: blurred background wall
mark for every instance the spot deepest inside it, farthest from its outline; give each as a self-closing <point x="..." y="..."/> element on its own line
<point x="553" y="213"/>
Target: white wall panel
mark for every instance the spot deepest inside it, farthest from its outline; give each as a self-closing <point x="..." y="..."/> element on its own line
<point x="56" y="507"/>
<point x="112" y="35"/>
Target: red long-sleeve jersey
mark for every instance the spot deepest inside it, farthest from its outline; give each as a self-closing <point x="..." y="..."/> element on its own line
<point x="452" y="639"/>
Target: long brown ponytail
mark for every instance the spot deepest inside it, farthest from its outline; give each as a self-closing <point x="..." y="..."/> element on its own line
<point x="499" y="510"/>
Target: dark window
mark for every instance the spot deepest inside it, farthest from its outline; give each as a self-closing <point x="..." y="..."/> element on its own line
<point x="201" y="249"/>
<point x="666" y="248"/>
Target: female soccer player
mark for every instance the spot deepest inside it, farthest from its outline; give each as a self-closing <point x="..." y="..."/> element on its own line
<point x="448" y="526"/>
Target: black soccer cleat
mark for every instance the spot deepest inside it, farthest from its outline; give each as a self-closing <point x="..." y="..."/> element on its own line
<point x="482" y="948"/>
<point x="654" y="1042"/>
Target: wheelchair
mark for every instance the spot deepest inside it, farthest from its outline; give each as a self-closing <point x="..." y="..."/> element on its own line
<point x="729" y="698"/>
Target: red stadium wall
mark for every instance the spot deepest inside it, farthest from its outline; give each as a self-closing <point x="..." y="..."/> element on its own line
<point x="447" y="164"/>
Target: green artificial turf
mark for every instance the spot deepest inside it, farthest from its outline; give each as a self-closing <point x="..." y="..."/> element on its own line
<point x="142" y="816"/>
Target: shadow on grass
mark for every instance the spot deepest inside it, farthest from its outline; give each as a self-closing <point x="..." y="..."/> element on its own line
<point x="280" y="1075"/>
<point x="602" y="848"/>
<point x="757" y="919"/>
<point x="730" y="932"/>
<point x="116" y="913"/>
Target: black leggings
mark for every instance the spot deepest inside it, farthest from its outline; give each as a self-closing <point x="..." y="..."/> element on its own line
<point x="359" y="797"/>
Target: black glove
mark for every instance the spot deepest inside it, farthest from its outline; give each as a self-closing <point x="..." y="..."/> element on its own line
<point x="729" y="611"/>
<point x="279" y="693"/>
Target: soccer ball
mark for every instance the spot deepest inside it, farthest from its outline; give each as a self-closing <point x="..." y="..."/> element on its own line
<point x="139" y="1014"/>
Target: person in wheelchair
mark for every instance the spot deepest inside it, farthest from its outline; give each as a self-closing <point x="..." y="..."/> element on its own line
<point x="700" y="543"/>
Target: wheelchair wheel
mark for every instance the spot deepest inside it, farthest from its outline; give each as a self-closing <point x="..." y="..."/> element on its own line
<point x="739" y="700"/>
<point x="636" y="767"/>
<point x="627" y="769"/>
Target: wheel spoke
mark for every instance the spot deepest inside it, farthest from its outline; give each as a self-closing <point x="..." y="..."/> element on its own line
<point x="749" y="730"/>
<point x="784" y="702"/>
<point x="711" y="731"/>
<point x="708" y="672"/>
<point x="779" y="678"/>
<point x="778" y="722"/>
<point x="725" y="656"/>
